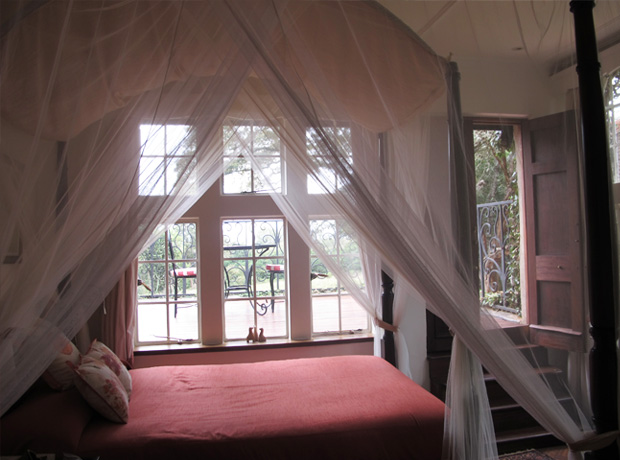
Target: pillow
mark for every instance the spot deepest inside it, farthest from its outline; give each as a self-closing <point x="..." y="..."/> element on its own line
<point x="101" y="352"/>
<point x="45" y="420"/>
<point x="58" y="375"/>
<point x="102" y="389"/>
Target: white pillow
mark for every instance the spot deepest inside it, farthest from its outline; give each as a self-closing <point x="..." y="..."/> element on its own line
<point x="59" y="375"/>
<point x="101" y="352"/>
<point x="102" y="389"/>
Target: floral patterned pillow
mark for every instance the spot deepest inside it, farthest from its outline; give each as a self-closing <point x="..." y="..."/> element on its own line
<point x="102" y="389"/>
<point x="101" y="352"/>
<point x="58" y="375"/>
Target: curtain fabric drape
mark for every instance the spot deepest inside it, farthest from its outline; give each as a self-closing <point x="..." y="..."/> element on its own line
<point x="119" y="315"/>
<point x="89" y="73"/>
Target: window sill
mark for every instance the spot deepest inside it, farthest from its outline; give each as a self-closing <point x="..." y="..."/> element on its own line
<point x="145" y="350"/>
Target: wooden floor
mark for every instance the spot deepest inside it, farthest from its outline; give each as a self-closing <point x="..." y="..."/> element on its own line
<point x="556" y="453"/>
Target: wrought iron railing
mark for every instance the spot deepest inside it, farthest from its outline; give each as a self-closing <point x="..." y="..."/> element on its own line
<point x="497" y="231"/>
<point x="242" y="245"/>
<point x="179" y="244"/>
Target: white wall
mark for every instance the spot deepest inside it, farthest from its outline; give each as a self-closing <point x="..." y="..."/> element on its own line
<point x="240" y="354"/>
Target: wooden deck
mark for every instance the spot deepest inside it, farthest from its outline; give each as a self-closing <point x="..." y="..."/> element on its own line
<point x="239" y="315"/>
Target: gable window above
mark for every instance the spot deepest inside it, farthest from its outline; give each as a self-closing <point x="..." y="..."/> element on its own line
<point x="167" y="151"/>
<point x="240" y="175"/>
<point x="340" y="138"/>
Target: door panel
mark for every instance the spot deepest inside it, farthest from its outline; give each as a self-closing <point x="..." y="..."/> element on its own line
<point x="553" y="233"/>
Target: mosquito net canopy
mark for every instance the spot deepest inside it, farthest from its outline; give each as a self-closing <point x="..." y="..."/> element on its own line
<point x="78" y="203"/>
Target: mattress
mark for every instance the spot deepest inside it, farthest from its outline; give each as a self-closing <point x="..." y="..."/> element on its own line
<point x="357" y="407"/>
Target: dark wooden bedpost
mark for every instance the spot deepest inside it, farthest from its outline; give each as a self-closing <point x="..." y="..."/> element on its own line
<point x="387" y="305"/>
<point x="600" y="247"/>
<point x="387" y="283"/>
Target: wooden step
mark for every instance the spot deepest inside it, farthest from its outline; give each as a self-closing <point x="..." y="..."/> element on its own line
<point x="515" y="429"/>
<point x="510" y="417"/>
<point x="525" y="438"/>
<point x="496" y="392"/>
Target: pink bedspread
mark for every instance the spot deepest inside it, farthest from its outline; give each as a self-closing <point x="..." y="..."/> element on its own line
<point x="356" y="407"/>
<point x="341" y="407"/>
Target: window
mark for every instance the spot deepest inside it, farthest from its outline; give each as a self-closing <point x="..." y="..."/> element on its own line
<point x="497" y="206"/>
<point x="340" y="137"/>
<point x="334" y="310"/>
<point x="167" y="151"/>
<point x="243" y="279"/>
<point x="255" y="277"/>
<point x="612" y="102"/>
<point x="523" y="254"/>
<point x="168" y="292"/>
<point x="240" y="176"/>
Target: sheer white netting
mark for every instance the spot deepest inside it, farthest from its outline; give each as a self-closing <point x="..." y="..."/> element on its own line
<point x="78" y="78"/>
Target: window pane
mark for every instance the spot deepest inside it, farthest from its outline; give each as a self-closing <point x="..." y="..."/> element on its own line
<point x="254" y="270"/>
<point x="152" y="324"/>
<point x="274" y="323"/>
<point x="324" y="284"/>
<point x="238" y="278"/>
<point x="166" y="158"/>
<point x="334" y="309"/>
<point x="152" y="179"/>
<point x="239" y="318"/>
<point x="317" y="144"/>
<point x="268" y="237"/>
<point x="168" y="300"/>
<point x="152" y="275"/>
<point x="353" y="267"/>
<point x="184" y="326"/>
<point x="270" y="167"/>
<point x="324" y="233"/>
<point x="183" y="281"/>
<point x="263" y="143"/>
<point x="180" y="140"/>
<point x="325" y="314"/>
<point x="237" y="237"/>
<point x="153" y="140"/>
<point x="178" y="171"/>
<point x="155" y="251"/>
<point x="237" y="175"/>
<point x="266" y="141"/>
<point x="183" y="241"/>
<point x="354" y="317"/>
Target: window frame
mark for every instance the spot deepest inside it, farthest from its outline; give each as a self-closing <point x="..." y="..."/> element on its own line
<point x="211" y="328"/>
<point x="339" y="286"/>
<point x="169" y="301"/>
<point x="254" y="257"/>
<point x="167" y="159"/>
<point x="254" y="123"/>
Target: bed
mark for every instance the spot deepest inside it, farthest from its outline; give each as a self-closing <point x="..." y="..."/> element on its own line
<point x="336" y="407"/>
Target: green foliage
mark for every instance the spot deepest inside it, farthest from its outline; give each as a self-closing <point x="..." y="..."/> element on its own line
<point x="496" y="181"/>
<point x="152" y="266"/>
<point x="496" y="176"/>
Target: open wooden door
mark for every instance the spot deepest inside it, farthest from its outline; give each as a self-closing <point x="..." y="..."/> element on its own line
<point x="555" y="294"/>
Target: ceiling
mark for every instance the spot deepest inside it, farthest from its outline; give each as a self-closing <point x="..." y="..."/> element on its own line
<point x="540" y="30"/>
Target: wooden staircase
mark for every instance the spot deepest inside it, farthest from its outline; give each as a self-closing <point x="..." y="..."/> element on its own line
<point x="515" y="429"/>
